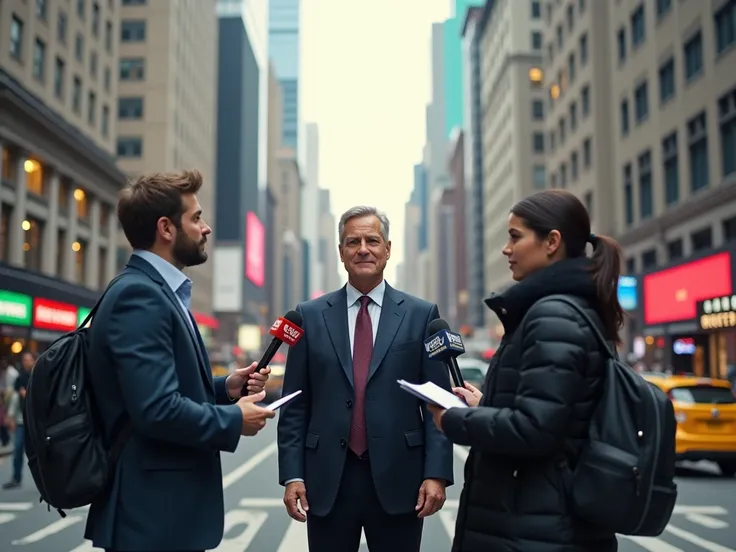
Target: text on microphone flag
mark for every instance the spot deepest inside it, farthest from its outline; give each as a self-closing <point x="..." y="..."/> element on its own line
<point x="286" y="331"/>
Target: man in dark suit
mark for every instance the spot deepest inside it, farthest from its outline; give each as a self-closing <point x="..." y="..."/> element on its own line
<point x="355" y="451"/>
<point x="149" y="366"/>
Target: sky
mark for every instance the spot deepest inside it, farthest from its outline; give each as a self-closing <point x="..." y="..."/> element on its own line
<point x="366" y="74"/>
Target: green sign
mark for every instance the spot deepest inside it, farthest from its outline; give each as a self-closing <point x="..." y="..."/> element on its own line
<point x="82" y="313"/>
<point x="15" y="308"/>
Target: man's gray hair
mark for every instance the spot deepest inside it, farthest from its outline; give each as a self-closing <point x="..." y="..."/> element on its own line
<point x="363" y="211"/>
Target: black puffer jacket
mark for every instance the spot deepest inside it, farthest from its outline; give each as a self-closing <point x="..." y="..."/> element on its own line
<point x="542" y="386"/>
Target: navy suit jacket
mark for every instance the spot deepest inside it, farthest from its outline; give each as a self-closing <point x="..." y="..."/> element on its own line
<point x="147" y="361"/>
<point x="313" y="431"/>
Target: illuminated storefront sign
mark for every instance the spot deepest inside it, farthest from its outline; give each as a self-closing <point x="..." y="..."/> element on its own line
<point x="15" y="308"/>
<point x="717" y="313"/>
<point x="82" y="313"/>
<point x="54" y="315"/>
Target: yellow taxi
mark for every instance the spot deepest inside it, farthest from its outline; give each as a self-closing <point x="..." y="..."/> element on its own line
<point x="705" y="410"/>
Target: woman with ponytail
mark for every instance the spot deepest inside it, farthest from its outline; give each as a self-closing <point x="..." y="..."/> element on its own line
<point x="526" y="426"/>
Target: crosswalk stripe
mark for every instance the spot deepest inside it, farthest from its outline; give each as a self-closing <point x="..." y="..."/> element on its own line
<point x="706" y="521"/>
<point x="245" y="468"/>
<point x="5" y="517"/>
<point x="461" y="452"/>
<point x="295" y="538"/>
<point x="448" y="522"/>
<point x="696" y="540"/>
<point x="51" y="529"/>
<point x="652" y="544"/>
<point x="252" y="519"/>
<point x="86" y="546"/>
<point x="15" y="506"/>
<point x="261" y="502"/>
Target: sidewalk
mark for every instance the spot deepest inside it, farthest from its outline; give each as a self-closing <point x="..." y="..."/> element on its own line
<point x="6" y="451"/>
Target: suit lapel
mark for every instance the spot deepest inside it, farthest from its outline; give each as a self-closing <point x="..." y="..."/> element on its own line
<point x="392" y="314"/>
<point x="152" y="273"/>
<point x="336" y="320"/>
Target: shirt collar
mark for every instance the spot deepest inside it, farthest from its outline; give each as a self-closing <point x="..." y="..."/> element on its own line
<point x="376" y="294"/>
<point x="173" y="277"/>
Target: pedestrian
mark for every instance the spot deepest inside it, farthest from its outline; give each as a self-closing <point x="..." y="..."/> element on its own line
<point x="355" y="451"/>
<point x="527" y="424"/>
<point x="15" y="418"/>
<point x="148" y="365"/>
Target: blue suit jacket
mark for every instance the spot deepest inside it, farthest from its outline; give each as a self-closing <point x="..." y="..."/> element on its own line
<point x="404" y="445"/>
<point x="146" y="360"/>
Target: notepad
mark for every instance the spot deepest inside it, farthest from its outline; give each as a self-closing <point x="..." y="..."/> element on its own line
<point x="433" y="394"/>
<point x="283" y="400"/>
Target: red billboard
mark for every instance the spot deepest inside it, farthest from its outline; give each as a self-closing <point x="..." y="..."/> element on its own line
<point x="670" y="295"/>
<point x="53" y="315"/>
<point x="255" y="242"/>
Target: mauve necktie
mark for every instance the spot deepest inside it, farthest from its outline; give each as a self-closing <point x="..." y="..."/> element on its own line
<point x="362" y="352"/>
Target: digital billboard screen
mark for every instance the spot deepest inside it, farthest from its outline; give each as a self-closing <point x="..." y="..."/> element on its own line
<point x="255" y="258"/>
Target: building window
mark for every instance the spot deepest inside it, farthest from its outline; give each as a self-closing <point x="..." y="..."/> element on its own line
<point x="134" y="2"/>
<point x="631" y="265"/>
<point x="536" y="9"/>
<point x="571" y="66"/>
<point x="536" y="40"/>
<point x="91" y="108"/>
<point x="32" y="243"/>
<point x="538" y="110"/>
<point x="93" y="65"/>
<point x="560" y="37"/>
<point x="621" y="41"/>
<point x="538" y="142"/>
<point x="698" y="147"/>
<point x="107" y="79"/>
<point x="573" y="116"/>
<point x="585" y="100"/>
<point x="77" y="95"/>
<point x="729" y="229"/>
<point x="570" y="18"/>
<point x="646" y="199"/>
<point x="671" y="170"/>
<point x="702" y="239"/>
<point x="583" y="50"/>
<point x="59" y="72"/>
<point x="649" y="259"/>
<point x="132" y="69"/>
<point x="725" y="20"/>
<point x="663" y="7"/>
<point x="727" y="123"/>
<point x="574" y="166"/>
<point x="694" y="57"/>
<point x="674" y="250"/>
<point x="628" y="195"/>
<point x="587" y="153"/>
<point x="130" y="108"/>
<point x="667" y="81"/>
<point x="638" y="26"/>
<point x="16" y="38"/>
<point x="135" y="31"/>
<point x="108" y="37"/>
<point x="588" y="201"/>
<point x="41" y="9"/>
<point x="34" y="176"/>
<point x="105" y="121"/>
<point x="562" y="130"/>
<point x="552" y="143"/>
<point x="641" y="102"/>
<point x="563" y="175"/>
<point x="39" y="60"/>
<point x="96" y="19"/>
<point x="79" y="48"/>
<point x="61" y="26"/>
<point x="80" y="8"/>
<point x="540" y="177"/>
<point x="624" y="117"/>
<point x="130" y="146"/>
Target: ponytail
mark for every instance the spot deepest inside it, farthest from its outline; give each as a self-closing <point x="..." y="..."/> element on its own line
<point x="605" y="270"/>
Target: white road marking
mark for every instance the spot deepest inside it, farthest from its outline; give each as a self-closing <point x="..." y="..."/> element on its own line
<point x="295" y="538"/>
<point x="706" y="521"/>
<point x="252" y="519"/>
<point x="6" y="517"/>
<point x="51" y="529"/>
<point x="697" y="541"/>
<point x="249" y="465"/>
<point x="448" y="522"/>
<point x="652" y="544"/>
<point x="262" y="503"/>
<point x="86" y="546"/>
<point x="461" y="452"/>
<point x="705" y="510"/>
<point x="15" y="506"/>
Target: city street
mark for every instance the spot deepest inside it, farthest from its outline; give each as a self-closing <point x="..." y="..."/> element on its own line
<point x="256" y="521"/>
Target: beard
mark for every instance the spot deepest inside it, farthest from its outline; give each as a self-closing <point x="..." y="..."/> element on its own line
<point x="187" y="252"/>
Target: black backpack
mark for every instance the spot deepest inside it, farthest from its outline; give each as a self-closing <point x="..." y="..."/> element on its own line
<point x="623" y="480"/>
<point x="70" y="461"/>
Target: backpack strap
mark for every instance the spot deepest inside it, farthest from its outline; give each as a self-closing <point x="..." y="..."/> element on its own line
<point x="611" y="352"/>
<point x="98" y="303"/>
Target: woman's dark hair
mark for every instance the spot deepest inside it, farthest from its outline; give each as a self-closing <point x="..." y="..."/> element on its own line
<point x="562" y="211"/>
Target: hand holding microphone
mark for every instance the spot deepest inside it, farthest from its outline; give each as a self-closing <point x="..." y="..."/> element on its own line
<point x="445" y="346"/>
<point x="286" y="329"/>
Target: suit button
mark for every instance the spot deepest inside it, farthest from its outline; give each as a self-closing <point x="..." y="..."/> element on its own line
<point x="343" y="443"/>
<point x="349" y="403"/>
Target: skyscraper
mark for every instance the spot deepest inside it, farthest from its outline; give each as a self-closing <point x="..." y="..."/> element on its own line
<point x="283" y="45"/>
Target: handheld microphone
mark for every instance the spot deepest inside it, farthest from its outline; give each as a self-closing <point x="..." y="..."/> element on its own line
<point x="444" y="345"/>
<point x="285" y="330"/>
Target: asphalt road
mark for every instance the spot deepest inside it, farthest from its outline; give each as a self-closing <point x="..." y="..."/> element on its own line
<point x="256" y="522"/>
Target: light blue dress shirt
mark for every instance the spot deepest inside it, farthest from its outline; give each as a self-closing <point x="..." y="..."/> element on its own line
<point x="179" y="283"/>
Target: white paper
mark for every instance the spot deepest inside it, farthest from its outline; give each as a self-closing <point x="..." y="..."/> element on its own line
<point x="282" y="401"/>
<point x="433" y="393"/>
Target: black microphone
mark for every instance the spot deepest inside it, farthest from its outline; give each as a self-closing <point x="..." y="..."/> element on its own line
<point x="285" y="329"/>
<point x="444" y="345"/>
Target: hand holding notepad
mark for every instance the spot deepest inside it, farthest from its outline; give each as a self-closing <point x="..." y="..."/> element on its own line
<point x="433" y="394"/>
